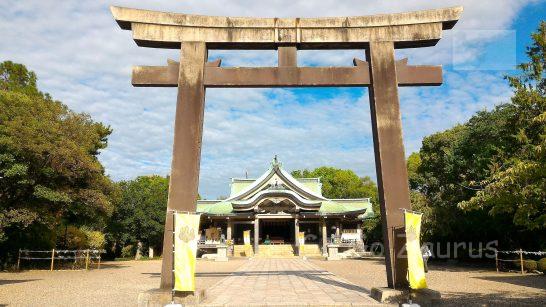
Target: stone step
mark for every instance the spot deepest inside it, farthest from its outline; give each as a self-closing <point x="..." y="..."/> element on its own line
<point x="280" y="250"/>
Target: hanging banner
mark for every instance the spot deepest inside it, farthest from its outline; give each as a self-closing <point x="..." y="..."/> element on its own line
<point x="246" y="241"/>
<point x="301" y="241"/>
<point x="416" y="268"/>
<point x="246" y="237"/>
<point x="186" y="235"/>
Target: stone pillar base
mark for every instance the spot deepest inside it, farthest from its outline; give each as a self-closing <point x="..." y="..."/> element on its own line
<point x="333" y="252"/>
<point x="162" y="297"/>
<point x="423" y="297"/>
<point x="221" y="253"/>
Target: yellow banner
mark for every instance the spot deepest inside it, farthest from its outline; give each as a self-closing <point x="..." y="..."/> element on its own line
<point x="416" y="268"/>
<point x="301" y="239"/>
<point x="246" y="237"/>
<point x="186" y="235"/>
<point x="246" y="241"/>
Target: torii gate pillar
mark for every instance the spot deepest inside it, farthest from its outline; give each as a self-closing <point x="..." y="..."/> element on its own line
<point x="188" y="136"/>
<point x="379" y="35"/>
<point x="390" y="162"/>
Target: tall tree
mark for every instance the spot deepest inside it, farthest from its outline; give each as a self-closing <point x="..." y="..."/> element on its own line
<point x="486" y="179"/>
<point x="139" y="215"/>
<point x="49" y="169"/>
<point x="517" y="185"/>
<point x="339" y="183"/>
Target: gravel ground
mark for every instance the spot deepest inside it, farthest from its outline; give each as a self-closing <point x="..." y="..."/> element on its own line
<point x="115" y="284"/>
<point x="460" y="285"/>
<point x="119" y="283"/>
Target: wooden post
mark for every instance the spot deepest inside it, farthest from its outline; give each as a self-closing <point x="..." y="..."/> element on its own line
<point x="390" y="161"/>
<point x="87" y="260"/>
<point x="521" y="259"/>
<point x="188" y="132"/>
<point x="497" y="260"/>
<point x="52" y="258"/>
<point x="19" y="260"/>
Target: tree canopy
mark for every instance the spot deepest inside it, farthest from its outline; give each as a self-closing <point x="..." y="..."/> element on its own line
<point x="139" y="214"/>
<point x="486" y="178"/>
<point x="50" y="173"/>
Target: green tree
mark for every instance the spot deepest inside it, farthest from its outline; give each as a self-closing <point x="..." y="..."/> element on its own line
<point x="486" y="179"/>
<point x="48" y="163"/>
<point x="517" y="185"/>
<point x="339" y="183"/>
<point x="139" y="214"/>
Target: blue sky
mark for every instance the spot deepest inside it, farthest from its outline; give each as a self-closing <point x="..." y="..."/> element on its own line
<point x="83" y="59"/>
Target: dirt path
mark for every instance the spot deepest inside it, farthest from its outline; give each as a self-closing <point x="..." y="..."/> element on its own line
<point x="119" y="283"/>
<point x="460" y="285"/>
<point x="115" y="284"/>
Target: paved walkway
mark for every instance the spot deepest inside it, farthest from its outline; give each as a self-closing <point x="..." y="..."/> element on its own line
<point x="285" y="282"/>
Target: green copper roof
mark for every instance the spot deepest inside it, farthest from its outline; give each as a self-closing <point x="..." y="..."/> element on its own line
<point x="237" y="185"/>
<point x="327" y="207"/>
<point x="277" y="183"/>
<point x="219" y="208"/>
<point x="346" y="206"/>
<point x="312" y="184"/>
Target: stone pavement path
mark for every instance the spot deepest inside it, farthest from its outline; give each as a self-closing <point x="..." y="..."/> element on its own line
<point x="293" y="281"/>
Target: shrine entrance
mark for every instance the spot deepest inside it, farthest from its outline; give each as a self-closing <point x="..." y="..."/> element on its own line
<point x="277" y="231"/>
<point x="378" y="36"/>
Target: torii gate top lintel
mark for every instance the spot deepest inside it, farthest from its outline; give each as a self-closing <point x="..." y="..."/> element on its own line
<point x="167" y="30"/>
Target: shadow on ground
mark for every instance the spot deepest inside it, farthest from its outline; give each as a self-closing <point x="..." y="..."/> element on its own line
<point x="155" y="274"/>
<point x="492" y="299"/>
<point x="531" y="281"/>
<point x="15" y="281"/>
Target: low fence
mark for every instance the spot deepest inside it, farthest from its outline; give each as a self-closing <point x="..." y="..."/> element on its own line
<point x="519" y="260"/>
<point x="78" y="258"/>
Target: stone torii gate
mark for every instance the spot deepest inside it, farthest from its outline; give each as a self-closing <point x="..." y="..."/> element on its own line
<point x="379" y="35"/>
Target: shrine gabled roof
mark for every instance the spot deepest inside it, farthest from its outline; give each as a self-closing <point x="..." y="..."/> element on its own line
<point x="287" y="179"/>
<point x="255" y="191"/>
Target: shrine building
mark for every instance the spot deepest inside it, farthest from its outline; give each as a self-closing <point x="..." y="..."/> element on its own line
<point x="275" y="208"/>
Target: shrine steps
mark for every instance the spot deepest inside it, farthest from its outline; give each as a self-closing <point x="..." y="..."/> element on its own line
<point x="276" y="251"/>
<point x="311" y="250"/>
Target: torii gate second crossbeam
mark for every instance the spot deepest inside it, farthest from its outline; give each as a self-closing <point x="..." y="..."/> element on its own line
<point x="379" y="35"/>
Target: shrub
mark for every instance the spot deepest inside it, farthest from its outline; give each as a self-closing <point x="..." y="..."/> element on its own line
<point x="128" y="251"/>
<point x="530" y="265"/>
<point x="75" y="238"/>
<point x="541" y="265"/>
<point x="95" y="239"/>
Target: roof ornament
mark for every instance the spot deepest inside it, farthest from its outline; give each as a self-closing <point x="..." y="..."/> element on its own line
<point x="275" y="163"/>
<point x="276" y="186"/>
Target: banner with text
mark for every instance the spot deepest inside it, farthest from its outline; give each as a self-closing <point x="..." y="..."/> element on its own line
<point x="186" y="235"/>
<point x="416" y="268"/>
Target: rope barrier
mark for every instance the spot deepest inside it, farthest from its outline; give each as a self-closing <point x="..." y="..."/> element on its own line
<point x="89" y="255"/>
<point x="524" y="252"/>
<point x="520" y="262"/>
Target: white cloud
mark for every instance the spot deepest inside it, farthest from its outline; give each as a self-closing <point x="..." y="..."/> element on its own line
<point x="84" y="59"/>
